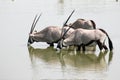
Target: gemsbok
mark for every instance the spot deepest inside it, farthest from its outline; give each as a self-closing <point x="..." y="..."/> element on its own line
<point x="83" y="37"/>
<point x="49" y="35"/>
<point x="80" y="23"/>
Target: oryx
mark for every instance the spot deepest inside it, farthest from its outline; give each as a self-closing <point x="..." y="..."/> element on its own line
<point x="82" y="37"/>
<point x="81" y="23"/>
<point x="50" y="34"/>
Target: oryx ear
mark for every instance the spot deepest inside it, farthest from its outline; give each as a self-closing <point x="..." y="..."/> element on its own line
<point x="34" y="32"/>
<point x="70" y="24"/>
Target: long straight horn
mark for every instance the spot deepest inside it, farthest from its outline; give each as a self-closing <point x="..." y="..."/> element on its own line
<point x="31" y="30"/>
<point x="62" y="36"/>
<point x="68" y="18"/>
<point x="65" y="24"/>
<point x="36" y="22"/>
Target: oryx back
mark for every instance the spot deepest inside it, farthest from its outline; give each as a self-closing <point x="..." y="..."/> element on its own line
<point x="85" y="24"/>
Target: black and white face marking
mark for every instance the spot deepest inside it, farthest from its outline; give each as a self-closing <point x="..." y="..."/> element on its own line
<point x="30" y="41"/>
<point x="60" y="44"/>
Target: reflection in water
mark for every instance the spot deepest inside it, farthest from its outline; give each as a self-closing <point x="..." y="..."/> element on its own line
<point x="110" y="57"/>
<point x="85" y="61"/>
<point x="63" y="61"/>
<point x="46" y="55"/>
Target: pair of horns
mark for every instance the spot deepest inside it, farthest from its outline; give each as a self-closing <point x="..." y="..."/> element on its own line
<point x="62" y="35"/>
<point x="35" y="22"/>
<point x="65" y="24"/>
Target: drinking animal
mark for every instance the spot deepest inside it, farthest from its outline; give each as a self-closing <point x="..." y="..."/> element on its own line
<point x="82" y="38"/>
<point x="50" y="34"/>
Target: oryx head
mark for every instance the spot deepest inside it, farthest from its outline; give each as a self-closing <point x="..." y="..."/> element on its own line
<point x="31" y="34"/>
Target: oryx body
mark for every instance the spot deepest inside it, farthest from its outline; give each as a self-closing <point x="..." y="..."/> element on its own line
<point x="50" y="35"/>
<point x="82" y="37"/>
<point x="82" y="23"/>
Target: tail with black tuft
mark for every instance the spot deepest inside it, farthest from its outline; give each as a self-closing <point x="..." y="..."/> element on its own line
<point x="93" y="23"/>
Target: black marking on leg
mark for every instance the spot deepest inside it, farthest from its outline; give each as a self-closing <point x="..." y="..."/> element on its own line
<point x="83" y="47"/>
<point x="99" y="44"/>
<point x="51" y="44"/>
<point x="79" y="48"/>
<point x="105" y="47"/>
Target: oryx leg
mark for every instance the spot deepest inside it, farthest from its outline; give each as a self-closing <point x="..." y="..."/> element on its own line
<point x="100" y="45"/>
<point x="105" y="47"/>
<point x="83" y="47"/>
<point x="79" y="47"/>
<point x="51" y="44"/>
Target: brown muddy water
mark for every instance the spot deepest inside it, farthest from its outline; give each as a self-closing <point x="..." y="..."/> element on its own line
<point x="19" y="62"/>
